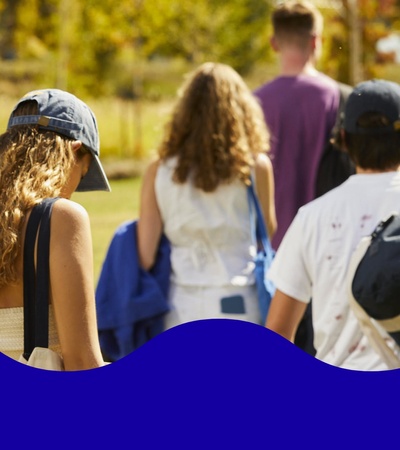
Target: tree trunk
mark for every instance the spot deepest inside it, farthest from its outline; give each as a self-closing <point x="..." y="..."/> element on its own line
<point x="355" y="42"/>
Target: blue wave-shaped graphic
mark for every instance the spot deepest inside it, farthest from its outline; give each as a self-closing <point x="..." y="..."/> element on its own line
<point x="206" y="383"/>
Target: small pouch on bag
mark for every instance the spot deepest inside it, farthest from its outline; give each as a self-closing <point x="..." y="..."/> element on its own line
<point x="233" y="305"/>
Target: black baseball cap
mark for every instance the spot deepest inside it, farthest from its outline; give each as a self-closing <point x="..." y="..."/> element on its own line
<point x="379" y="96"/>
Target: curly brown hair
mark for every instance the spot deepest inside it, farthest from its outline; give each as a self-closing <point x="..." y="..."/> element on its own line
<point x="216" y="130"/>
<point x="34" y="165"/>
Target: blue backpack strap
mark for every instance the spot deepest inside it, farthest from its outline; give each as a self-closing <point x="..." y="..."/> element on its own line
<point x="261" y="230"/>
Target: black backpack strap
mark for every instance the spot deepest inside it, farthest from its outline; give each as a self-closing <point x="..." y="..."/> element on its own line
<point x="344" y="92"/>
<point x="335" y="165"/>
<point x="36" y="285"/>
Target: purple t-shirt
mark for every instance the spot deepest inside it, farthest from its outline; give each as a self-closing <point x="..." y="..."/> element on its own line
<point x="300" y="112"/>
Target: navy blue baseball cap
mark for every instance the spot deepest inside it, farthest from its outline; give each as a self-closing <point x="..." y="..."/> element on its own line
<point x="67" y="115"/>
<point x="378" y="96"/>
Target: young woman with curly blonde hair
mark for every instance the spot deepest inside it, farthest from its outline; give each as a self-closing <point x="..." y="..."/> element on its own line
<point x="196" y="193"/>
<point x="49" y="150"/>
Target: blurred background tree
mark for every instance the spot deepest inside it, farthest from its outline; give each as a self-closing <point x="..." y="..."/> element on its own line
<point x="135" y="51"/>
<point x="352" y="30"/>
<point x="83" y="45"/>
<point x="87" y="40"/>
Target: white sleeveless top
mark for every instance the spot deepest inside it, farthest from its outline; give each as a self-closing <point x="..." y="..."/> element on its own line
<point x="12" y="332"/>
<point x="210" y="233"/>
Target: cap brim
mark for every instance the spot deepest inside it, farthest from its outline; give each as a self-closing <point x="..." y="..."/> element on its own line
<point x="95" y="179"/>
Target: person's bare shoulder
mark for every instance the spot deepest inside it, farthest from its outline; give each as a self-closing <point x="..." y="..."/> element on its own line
<point x="150" y="173"/>
<point x="152" y="168"/>
<point x="68" y="217"/>
<point x="263" y="162"/>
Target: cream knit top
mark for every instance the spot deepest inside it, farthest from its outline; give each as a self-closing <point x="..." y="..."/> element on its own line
<point x="12" y="332"/>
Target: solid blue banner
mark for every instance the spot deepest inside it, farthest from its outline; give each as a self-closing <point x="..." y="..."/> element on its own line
<point x="216" y="383"/>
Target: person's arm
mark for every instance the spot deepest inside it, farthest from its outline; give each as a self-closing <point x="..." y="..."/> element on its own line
<point x="285" y="314"/>
<point x="72" y="286"/>
<point x="265" y="189"/>
<point x="150" y="226"/>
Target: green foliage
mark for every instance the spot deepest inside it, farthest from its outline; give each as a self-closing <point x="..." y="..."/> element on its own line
<point x="376" y="18"/>
<point x="232" y="31"/>
<point x="82" y="44"/>
<point x="104" y="48"/>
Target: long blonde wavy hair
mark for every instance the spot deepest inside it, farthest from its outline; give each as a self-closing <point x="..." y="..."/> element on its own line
<point x="34" y="165"/>
<point x="216" y="130"/>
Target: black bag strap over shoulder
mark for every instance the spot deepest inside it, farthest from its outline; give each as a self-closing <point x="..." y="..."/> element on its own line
<point x="335" y="165"/>
<point x="344" y="92"/>
<point x="36" y="283"/>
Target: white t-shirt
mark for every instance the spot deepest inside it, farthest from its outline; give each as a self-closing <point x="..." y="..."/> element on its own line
<point x="313" y="258"/>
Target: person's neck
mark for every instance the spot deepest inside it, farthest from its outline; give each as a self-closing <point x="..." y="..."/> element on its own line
<point x="293" y="64"/>
<point x="359" y="170"/>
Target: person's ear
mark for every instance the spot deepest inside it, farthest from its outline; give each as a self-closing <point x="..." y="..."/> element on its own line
<point x="316" y="45"/>
<point x="76" y="145"/>
<point x="314" y="41"/>
<point x="274" y="43"/>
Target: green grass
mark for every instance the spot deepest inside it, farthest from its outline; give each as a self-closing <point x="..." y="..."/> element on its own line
<point x="129" y="129"/>
<point x="106" y="211"/>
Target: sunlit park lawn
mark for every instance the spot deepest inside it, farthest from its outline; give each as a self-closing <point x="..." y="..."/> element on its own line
<point x="107" y="210"/>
